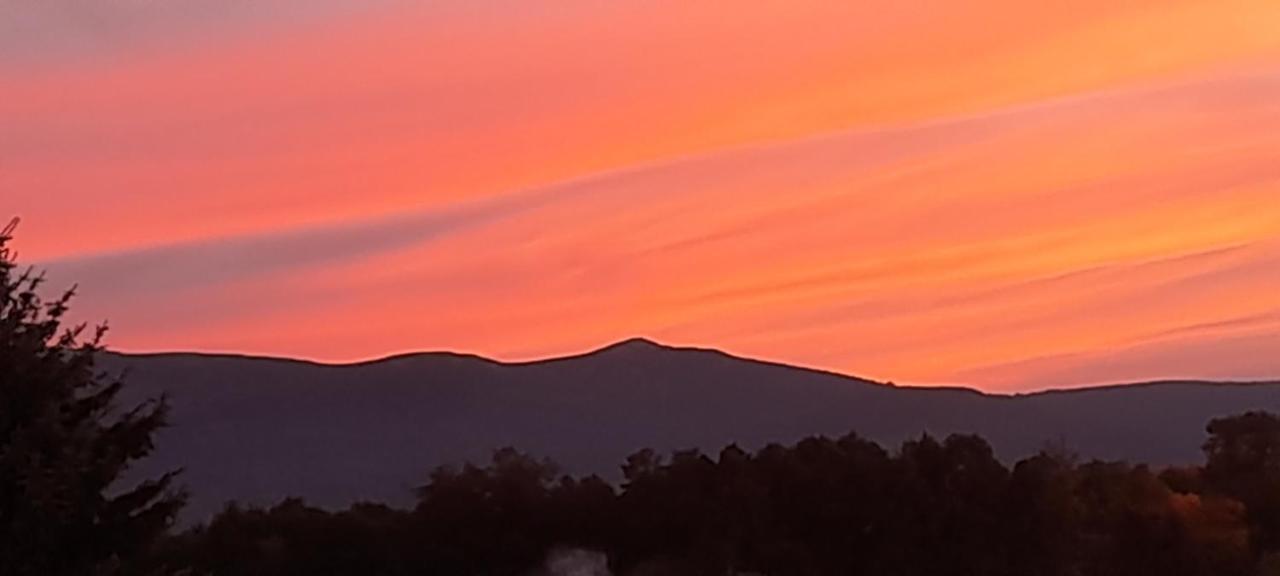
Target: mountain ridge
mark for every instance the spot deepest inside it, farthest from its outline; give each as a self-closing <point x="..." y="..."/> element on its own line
<point x="259" y="429"/>
<point x="642" y="343"/>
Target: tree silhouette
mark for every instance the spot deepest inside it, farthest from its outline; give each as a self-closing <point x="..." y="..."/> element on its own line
<point x="819" y="507"/>
<point x="64" y="446"/>
<point x="1243" y="462"/>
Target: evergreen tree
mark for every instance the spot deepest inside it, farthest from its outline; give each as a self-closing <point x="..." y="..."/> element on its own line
<point x="64" y="445"/>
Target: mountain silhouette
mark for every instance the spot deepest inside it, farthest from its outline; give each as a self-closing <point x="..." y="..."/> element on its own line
<point x="257" y="430"/>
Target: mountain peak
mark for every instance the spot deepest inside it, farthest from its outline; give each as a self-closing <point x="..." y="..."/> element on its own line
<point x="637" y="344"/>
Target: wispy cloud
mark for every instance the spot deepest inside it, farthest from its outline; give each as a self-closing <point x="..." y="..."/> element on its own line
<point x="803" y="181"/>
<point x="211" y="263"/>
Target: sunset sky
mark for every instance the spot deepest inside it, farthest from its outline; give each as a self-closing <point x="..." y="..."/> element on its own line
<point x="1006" y="194"/>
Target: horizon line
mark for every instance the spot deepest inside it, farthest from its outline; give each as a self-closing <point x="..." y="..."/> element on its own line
<point x="652" y="343"/>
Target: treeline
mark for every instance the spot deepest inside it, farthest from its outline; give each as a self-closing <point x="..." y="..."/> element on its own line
<point x="820" y="507"/>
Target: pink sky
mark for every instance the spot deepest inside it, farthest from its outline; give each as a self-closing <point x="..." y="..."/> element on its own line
<point x="998" y="193"/>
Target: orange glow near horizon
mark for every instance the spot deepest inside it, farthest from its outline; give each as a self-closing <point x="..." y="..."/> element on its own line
<point x="1002" y="194"/>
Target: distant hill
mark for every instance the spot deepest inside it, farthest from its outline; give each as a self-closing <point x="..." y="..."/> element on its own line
<point x="259" y="429"/>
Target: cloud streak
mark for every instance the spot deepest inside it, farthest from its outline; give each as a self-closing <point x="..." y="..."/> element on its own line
<point x="811" y="183"/>
<point x="212" y="263"/>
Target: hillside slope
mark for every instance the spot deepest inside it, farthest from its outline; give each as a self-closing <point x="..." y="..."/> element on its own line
<point x="258" y="429"/>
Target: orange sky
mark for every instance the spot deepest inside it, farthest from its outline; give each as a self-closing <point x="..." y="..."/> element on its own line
<point x="999" y="193"/>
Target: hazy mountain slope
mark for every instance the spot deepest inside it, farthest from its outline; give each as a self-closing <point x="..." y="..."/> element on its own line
<point x="256" y="429"/>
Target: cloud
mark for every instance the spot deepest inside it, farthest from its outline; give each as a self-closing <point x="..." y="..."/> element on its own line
<point x="58" y="32"/>
<point x="803" y="181"/>
<point x="1244" y="356"/>
<point x="956" y="244"/>
<point x="209" y="264"/>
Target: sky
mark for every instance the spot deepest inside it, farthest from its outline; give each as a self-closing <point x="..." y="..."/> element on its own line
<point x="1004" y="194"/>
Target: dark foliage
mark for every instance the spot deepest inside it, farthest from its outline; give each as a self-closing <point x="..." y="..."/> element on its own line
<point x="1244" y="464"/>
<point x="820" y="507"/>
<point x="64" y="446"/>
